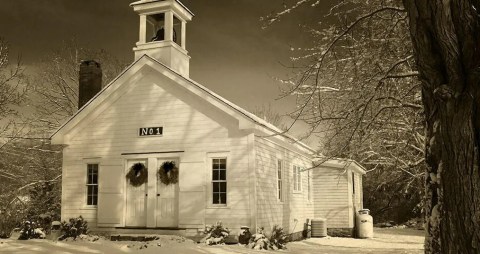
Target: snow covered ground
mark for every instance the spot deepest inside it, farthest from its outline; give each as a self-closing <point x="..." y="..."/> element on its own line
<point x="408" y="241"/>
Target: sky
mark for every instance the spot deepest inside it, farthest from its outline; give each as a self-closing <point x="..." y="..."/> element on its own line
<point x="230" y="52"/>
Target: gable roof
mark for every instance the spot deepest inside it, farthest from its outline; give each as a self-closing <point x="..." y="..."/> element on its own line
<point x="194" y="86"/>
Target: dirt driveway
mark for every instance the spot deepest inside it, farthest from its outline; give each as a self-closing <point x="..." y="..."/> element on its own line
<point x="385" y="241"/>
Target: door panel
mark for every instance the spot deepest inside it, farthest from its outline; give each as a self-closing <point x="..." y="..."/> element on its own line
<point x="167" y="202"/>
<point x="136" y="201"/>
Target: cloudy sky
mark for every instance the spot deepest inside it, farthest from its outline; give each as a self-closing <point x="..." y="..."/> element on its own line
<point x="231" y="53"/>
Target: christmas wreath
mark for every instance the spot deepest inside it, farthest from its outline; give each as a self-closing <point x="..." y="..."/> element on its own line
<point x="168" y="173"/>
<point x="137" y="175"/>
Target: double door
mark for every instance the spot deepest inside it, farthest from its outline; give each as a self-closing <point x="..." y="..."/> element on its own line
<point x="152" y="204"/>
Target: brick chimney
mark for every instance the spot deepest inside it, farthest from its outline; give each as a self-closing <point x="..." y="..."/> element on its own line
<point x="90" y="81"/>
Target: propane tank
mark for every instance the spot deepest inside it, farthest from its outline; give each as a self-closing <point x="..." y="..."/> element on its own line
<point x="364" y="224"/>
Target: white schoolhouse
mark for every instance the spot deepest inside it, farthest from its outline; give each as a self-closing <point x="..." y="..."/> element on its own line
<point x="153" y="149"/>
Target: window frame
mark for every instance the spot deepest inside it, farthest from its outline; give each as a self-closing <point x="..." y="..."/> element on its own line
<point x="280" y="180"/>
<point x="297" y="179"/>
<point x="309" y="186"/>
<point x="353" y="183"/>
<point x="211" y="157"/>
<point x="89" y="184"/>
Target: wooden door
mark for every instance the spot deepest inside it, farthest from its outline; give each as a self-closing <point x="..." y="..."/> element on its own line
<point x="136" y="201"/>
<point x="167" y="202"/>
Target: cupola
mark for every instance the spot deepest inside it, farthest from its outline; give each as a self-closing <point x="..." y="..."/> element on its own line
<point x="163" y="32"/>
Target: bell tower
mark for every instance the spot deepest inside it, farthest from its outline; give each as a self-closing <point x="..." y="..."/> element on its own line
<point x="162" y="32"/>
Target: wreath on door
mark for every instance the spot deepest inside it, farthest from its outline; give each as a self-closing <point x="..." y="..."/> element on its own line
<point x="168" y="173"/>
<point x="137" y="175"/>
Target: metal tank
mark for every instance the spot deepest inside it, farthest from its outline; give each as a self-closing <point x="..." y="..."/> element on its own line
<point x="364" y="223"/>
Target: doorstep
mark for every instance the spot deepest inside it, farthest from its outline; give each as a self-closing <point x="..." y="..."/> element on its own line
<point x="150" y="234"/>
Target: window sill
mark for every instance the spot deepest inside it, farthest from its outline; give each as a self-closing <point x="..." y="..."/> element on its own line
<point x="218" y="207"/>
<point x="90" y="207"/>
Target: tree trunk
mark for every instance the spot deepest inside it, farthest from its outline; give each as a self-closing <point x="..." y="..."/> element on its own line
<point x="446" y="40"/>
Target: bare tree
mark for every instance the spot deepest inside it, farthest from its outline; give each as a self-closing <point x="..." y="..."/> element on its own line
<point x="57" y="84"/>
<point x="30" y="167"/>
<point x="267" y="113"/>
<point x="446" y="39"/>
<point x="446" y="43"/>
<point x="12" y="90"/>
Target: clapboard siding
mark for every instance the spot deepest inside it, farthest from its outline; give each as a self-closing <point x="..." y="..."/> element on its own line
<point x="190" y="126"/>
<point x="330" y="188"/>
<point x="295" y="208"/>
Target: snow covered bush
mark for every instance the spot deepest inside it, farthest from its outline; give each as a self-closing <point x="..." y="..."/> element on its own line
<point x="215" y="234"/>
<point x="30" y="230"/>
<point x="260" y="241"/>
<point x="278" y="239"/>
<point x="73" y="228"/>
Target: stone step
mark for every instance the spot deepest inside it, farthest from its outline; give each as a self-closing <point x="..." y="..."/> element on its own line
<point x="139" y="238"/>
<point x="150" y="234"/>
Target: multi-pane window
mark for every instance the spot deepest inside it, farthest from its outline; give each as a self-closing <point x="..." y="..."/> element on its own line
<point x="92" y="184"/>
<point x="353" y="182"/>
<point x="309" y="191"/>
<point x="297" y="178"/>
<point x="279" y="180"/>
<point x="219" y="181"/>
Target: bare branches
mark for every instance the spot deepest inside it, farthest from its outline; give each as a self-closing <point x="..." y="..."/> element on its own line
<point x="357" y="90"/>
<point x="57" y="86"/>
<point x="12" y="82"/>
<point x="55" y="179"/>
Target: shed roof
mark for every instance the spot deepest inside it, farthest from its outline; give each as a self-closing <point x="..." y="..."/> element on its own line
<point x="339" y="163"/>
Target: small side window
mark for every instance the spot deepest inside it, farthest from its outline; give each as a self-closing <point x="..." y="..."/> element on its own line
<point x="219" y="181"/>
<point x="92" y="184"/>
<point x="280" y="180"/>
<point x="297" y="179"/>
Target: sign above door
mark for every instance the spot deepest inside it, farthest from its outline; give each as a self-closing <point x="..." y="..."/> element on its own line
<point x="150" y="131"/>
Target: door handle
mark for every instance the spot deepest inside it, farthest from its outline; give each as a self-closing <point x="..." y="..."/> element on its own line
<point x="158" y="195"/>
<point x="146" y="195"/>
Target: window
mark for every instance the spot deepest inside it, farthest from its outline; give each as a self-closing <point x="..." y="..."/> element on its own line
<point x="353" y="182"/>
<point x="309" y="191"/>
<point x="219" y="181"/>
<point x="279" y="181"/>
<point x="297" y="179"/>
<point x="92" y="184"/>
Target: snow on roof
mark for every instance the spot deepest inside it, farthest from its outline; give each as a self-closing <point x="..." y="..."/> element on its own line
<point x="339" y="163"/>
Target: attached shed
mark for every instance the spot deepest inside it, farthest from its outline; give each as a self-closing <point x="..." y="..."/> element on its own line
<point x="338" y="191"/>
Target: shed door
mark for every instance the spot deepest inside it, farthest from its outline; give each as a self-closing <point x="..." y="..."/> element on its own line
<point x="136" y="201"/>
<point x="167" y="202"/>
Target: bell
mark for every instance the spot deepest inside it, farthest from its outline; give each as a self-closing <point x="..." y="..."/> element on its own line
<point x="160" y="36"/>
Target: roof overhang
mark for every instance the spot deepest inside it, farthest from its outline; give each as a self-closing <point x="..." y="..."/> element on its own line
<point x="153" y="6"/>
<point x="340" y="164"/>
